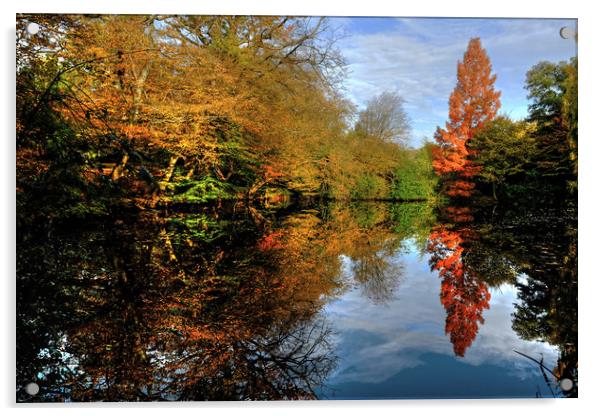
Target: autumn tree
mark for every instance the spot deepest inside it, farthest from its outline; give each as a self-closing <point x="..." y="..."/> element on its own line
<point x="172" y="109"/>
<point x="188" y="103"/>
<point x="472" y="103"/>
<point x="56" y="142"/>
<point x="273" y="78"/>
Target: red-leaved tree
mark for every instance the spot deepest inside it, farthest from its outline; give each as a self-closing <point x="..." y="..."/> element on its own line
<point x="473" y="102"/>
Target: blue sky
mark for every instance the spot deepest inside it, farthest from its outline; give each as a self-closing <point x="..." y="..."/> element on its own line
<point x="418" y="56"/>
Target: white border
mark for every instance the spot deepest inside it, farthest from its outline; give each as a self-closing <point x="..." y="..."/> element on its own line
<point x="589" y="190"/>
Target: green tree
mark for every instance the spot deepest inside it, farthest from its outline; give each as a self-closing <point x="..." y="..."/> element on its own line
<point x="415" y="177"/>
<point x="555" y="113"/>
<point x="505" y="151"/>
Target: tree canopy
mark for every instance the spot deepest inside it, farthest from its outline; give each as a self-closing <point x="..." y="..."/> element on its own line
<point x="473" y="102"/>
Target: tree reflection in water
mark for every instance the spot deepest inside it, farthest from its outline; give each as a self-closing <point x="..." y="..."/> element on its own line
<point x="532" y="247"/>
<point x="192" y="306"/>
<point x="463" y="294"/>
<point x="226" y="305"/>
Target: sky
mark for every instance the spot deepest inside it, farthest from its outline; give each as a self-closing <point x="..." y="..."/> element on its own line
<point x="417" y="57"/>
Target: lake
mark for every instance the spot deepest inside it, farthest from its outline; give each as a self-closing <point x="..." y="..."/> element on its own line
<point x="356" y="300"/>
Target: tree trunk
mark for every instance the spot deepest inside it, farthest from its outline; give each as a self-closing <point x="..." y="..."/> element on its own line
<point x="139" y="90"/>
<point x="190" y="172"/>
<point x="172" y="166"/>
<point x="255" y="187"/>
<point x="136" y="100"/>
<point x="170" y="251"/>
<point x="120" y="167"/>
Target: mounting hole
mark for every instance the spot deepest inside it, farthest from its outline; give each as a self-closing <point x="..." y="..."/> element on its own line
<point x="32" y="389"/>
<point x="567" y="32"/>
<point x="33" y="28"/>
<point x="566" y="384"/>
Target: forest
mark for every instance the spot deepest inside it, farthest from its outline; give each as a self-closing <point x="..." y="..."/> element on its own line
<point x="190" y="185"/>
<point x="139" y="111"/>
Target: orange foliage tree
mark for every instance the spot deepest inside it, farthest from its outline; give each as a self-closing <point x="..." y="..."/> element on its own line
<point x="473" y="102"/>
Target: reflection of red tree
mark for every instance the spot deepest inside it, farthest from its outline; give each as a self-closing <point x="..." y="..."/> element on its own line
<point x="463" y="295"/>
<point x="459" y="215"/>
<point x="270" y="241"/>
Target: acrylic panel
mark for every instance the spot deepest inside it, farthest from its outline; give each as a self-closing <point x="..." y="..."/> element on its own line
<point x="283" y="208"/>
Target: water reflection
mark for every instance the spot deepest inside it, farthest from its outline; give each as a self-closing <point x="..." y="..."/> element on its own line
<point x="237" y="303"/>
<point x="463" y="294"/>
<point x="475" y="249"/>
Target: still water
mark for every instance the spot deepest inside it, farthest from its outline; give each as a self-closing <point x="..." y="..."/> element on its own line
<point x="328" y="301"/>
